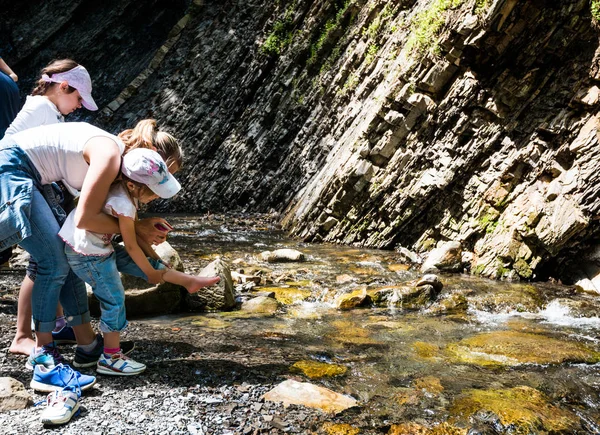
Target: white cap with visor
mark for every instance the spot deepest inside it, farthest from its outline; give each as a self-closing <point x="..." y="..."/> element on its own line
<point x="79" y="79"/>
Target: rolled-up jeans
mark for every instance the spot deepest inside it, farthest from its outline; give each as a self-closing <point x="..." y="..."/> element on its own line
<point x="102" y="274"/>
<point x="27" y="219"/>
<point x="54" y="281"/>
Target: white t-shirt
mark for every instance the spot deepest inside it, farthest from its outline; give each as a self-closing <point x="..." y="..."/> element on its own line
<point x="118" y="203"/>
<point x="57" y="150"/>
<point x="37" y="110"/>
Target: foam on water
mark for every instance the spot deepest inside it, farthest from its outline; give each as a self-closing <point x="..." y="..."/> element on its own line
<point x="555" y="313"/>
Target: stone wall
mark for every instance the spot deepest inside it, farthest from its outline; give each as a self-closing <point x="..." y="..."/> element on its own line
<point x="387" y="124"/>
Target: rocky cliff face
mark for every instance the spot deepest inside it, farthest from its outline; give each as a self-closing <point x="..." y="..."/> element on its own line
<point x="386" y="124"/>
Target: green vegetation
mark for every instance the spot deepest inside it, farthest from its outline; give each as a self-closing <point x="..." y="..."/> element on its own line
<point x="281" y="35"/>
<point x="523" y="269"/>
<point x="331" y="26"/>
<point x="427" y="24"/>
<point x="595" y="9"/>
<point x="371" y="54"/>
<point x="481" y="6"/>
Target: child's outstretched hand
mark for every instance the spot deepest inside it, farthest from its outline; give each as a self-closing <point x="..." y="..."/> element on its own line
<point x="156" y="276"/>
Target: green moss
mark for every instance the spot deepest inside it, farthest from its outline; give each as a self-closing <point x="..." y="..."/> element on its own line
<point x="427" y="25"/>
<point x="281" y="35"/>
<point x="524" y="409"/>
<point x="330" y="26"/>
<point x="481" y="6"/>
<point x="478" y="270"/>
<point x="595" y="9"/>
<point x="513" y="348"/>
<point x="316" y="369"/>
<point x="371" y="54"/>
<point x="523" y="269"/>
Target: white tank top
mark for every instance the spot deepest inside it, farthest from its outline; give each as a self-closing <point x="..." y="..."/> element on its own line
<point x="57" y="150"/>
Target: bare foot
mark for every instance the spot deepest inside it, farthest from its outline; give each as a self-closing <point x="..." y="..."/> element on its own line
<point x="22" y="345"/>
<point x="197" y="282"/>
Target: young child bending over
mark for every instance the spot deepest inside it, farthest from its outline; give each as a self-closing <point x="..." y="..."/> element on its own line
<point x="97" y="260"/>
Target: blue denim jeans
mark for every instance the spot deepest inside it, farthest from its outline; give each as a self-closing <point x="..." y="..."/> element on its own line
<point x="102" y="274"/>
<point x="27" y="219"/>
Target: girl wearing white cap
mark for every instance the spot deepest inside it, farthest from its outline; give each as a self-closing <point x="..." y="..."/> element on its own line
<point x="64" y="86"/>
<point x="95" y="259"/>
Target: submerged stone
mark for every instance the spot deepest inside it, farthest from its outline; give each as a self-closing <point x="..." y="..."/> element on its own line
<point x="349" y="333"/>
<point x="351" y="300"/>
<point x="290" y="295"/>
<point x="418" y="429"/>
<point x="261" y="305"/>
<point x="291" y="392"/>
<point x="317" y="369"/>
<point x="426" y="350"/>
<point x="521" y="410"/>
<point x="521" y="298"/>
<point x="340" y="429"/>
<point x="513" y="348"/>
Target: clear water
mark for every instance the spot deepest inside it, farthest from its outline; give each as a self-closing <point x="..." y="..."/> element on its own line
<point x="397" y="359"/>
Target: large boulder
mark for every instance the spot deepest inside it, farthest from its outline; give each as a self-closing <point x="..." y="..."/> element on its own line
<point x="217" y="297"/>
<point x="13" y="395"/>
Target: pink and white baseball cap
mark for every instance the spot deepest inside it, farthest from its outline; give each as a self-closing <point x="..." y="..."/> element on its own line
<point x="79" y="79"/>
<point x="148" y="167"/>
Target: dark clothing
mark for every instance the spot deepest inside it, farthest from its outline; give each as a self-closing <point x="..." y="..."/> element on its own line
<point x="10" y="102"/>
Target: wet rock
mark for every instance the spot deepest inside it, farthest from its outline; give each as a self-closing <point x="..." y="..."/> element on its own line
<point x="240" y="278"/>
<point x="432" y="280"/>
<point x="521" y="298"/>
<point x="418" y="429"/>
<point x="260" y="305"/>
<point x="447" y="257"/>
<point x="512" y="348"/>
<point x="302" y="393"/>
<point x="408" y="298"/>
<point x="317" y="369"/>
<point x="340" y="429"/>
<point x="282" y="256"/>
<point x="13" y="395"/>
<point x="289" y="295"/>
<point x="522" y="409"/>
<point x="352" y="300"/>
<point x="217" y="297"/>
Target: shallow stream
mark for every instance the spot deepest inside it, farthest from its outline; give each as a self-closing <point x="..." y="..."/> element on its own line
<point x="485" y="357"/>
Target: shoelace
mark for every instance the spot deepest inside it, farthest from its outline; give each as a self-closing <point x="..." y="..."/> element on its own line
<point x="73" y="378"/>
<point x="53" y="351"/>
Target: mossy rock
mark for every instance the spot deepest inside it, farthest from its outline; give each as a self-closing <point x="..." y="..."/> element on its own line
<point x="351" y="300"/>
<point x="340" y="429"/>
<point x="425" y="350"/>
<point x="521" y="410"/>
<point x="289" y="295"/>
<point x="412" y="428"/>
<point x="317" y="369"/>
<point x="513" y="348"/>
<point x="349" y="333"/>
<point x="521" y="298"/>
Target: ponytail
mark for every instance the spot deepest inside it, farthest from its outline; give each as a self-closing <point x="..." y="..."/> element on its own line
<point x="146" y="135"/>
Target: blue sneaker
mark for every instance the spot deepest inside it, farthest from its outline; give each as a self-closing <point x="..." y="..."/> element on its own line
<point x="89" y="359"/>
<point x="48" y="356"/>
<point x="64" y="336"/>
<point x="59" y="377"/>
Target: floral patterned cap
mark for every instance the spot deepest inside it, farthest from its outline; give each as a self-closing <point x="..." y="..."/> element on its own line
<point x="148" y="167"/>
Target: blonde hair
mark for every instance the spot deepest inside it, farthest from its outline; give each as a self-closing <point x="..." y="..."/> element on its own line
<point x="146" y="135"/>
<point x="54" y="67"/>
